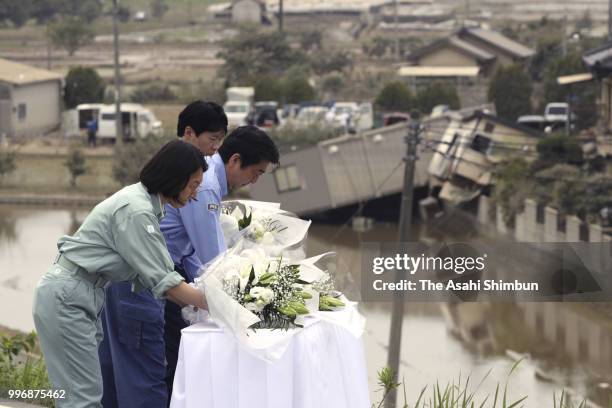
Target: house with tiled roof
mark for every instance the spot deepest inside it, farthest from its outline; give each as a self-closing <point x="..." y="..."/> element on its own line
<point x="465" y="59"/>
<point x="472" y="47"/>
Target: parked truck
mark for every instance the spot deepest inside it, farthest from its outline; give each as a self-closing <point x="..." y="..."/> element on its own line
<point x="239" y="104"/>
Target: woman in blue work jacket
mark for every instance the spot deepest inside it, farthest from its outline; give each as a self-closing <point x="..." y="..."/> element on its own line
<point x="120" y="240"/>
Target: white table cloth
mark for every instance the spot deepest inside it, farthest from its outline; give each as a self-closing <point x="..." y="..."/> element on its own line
<point x="323" y="366"/>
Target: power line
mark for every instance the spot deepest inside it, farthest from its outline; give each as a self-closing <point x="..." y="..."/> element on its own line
<point x="444" y="129"/>
<point x="364" y="203"/>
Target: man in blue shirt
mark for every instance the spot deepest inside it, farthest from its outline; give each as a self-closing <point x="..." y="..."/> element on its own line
<point x="194" y="232"/>
<point x="132" y="358"/>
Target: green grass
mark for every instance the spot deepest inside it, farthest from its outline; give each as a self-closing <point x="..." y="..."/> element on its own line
<point x="47" y="174"/>
<point x="461" y="394"/>
<point x="20" y="369"/>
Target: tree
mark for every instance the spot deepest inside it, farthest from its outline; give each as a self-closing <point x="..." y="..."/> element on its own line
<point x="7" y="162"/>
<point x="565" y="186"/>
<point x="123" y="14"/>
<point x="130" y="157"/>
<point x="153" y="93"/>
<point x="298" y="89"/>
<point x="71" y="34"/>
<point x="510" y="90"/>
<point x="311" y="39"/>
<point x="513" y="184"/>
<point x="269" y="88"/>
<point x="252" y="54"/>
<point x="292" y="136"/>
<point x="15" y="11"/>
<point x="568" y="64"/>
<point x="395" y="96"/>
<point x="158" y="8"/>
<point x="558" y="149"/>
<point x="548" y="47"/>
<point x="83" y="85"/>
<point x="333" y="83"/>
<point x="87" y="10"/>
<point x="583" y="96"/>
<point x="378" y="47"/>
<point x="76" y="165"/>
<point x="437" y="93"/>
<point x="324" y="61"/>
<point x="46" y="10"/>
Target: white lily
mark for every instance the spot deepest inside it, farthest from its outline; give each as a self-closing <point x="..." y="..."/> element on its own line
<point x="267" y="238"/>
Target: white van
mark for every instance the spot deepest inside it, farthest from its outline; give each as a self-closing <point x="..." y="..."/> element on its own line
<point x="138" y="122"/>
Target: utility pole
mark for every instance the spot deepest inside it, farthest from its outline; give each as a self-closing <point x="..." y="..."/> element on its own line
<point x="396" y="22"/>
<point x="397" y="316"/>
<point x="281" y="15"/>
<point x="49" y="44"/>
<point x="564" y="40"/>
<point x="118" y="123"/>
<point x="568" y="121"/>
<point x="609" y="19"/>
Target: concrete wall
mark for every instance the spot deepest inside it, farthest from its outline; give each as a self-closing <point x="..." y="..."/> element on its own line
<point x="528" y="229"/>
<point x="579" y="330"/>
<point x="581" y="334"/>
<point x="43" y="111"/>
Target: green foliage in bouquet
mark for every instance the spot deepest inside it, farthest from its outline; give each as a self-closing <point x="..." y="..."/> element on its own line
<point x="288" y="301"/>
<point x="329" y="303"/>
<point x="245" y="221"/>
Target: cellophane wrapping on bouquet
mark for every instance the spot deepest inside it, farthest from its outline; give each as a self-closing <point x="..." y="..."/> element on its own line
<point x="262" y="289"/>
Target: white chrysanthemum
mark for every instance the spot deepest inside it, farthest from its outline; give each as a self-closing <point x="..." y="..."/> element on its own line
<point x="263" y="296"/>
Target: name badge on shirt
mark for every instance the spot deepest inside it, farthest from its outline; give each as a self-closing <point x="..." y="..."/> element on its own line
<point x="213" y="207"/>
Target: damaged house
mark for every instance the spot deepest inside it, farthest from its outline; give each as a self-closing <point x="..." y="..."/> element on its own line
<point x="465" y="157"/>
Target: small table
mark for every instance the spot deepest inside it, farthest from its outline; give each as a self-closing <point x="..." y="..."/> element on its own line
<point x="323" y="366"/>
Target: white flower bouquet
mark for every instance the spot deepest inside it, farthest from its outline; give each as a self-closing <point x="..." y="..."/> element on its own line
<point x="277" y="292"/>
<point x="261" y="223"/>
<point x="260" y="284"/>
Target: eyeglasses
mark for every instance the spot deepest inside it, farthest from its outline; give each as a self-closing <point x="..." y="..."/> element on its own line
<point x="216" y="139"/>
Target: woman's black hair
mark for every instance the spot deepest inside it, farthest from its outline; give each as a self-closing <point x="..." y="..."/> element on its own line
<point x="202" y="116"/>
<point x="168" y="172"/>
<point x="252" y="144"/>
